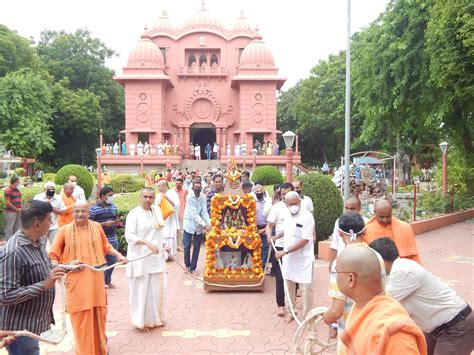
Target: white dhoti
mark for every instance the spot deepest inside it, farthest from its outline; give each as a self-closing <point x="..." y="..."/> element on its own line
<point x="147" y="298"/>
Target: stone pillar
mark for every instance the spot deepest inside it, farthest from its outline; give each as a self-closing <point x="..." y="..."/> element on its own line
<point x="224" y="142"/>
<point x="186" y="141"/>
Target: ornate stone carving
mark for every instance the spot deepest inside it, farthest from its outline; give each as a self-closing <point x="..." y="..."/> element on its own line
<point x="142" y="96"/>
<point x="258" y="96"/>
<point x="178" y="114"/>
<point x="202" y="104"/>
<point x="227" y="115"/>
<point x="143" y="112"/>
<point x="258" y="112"/>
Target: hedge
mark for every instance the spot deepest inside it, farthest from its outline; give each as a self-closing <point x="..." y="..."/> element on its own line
<point x="122" y="183"/>
<point x="327" y="201"/>
<point x="83" y="176"/>
<point x="49" y="177"/>
<point x="268" y="175"/>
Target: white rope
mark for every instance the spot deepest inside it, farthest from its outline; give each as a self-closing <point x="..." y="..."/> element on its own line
<point x="78" y="266"/>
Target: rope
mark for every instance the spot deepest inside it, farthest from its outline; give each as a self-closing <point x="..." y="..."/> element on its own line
<point x="56" y="336"/>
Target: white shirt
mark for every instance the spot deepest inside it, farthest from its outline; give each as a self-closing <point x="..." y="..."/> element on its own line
<point x="307" y="203"/>
<point x="78" y="194"/>
<point x="277" y="217"/>
<point x="141" y="225"/>
<point x="170" y="229"/>
<point x="428" y="300"/>
<point x="336" y="240"/>
<point x="298" y="265"/>
<point x="55" y="202"/>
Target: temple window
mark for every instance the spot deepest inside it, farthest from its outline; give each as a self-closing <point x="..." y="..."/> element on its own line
<point x="163" y="51"/>
<point x="240" y="53"/>
<point x="202" y="60"/>
<point x="214" y="60"/>
<point x="191" y="60"/>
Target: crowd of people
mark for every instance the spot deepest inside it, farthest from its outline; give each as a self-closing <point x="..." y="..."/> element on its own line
<point x="382" y="299"/>
<point x="212" y="150"/>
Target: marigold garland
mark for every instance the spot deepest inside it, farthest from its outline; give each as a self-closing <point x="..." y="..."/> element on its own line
<point x="234" y="238"/>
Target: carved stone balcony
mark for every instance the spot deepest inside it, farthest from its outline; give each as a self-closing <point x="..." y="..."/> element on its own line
<point x="199" y="72"/>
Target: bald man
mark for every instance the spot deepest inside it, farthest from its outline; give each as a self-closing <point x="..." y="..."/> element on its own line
<point x="337" y="244"/>
<point x="86" y="300"/>
<point x="377" y="323"/>
<point x="385" y="225"/>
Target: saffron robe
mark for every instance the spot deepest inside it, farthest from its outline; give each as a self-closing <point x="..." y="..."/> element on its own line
<point x="86" y="299"/>
<point x="400" y="232"/>
<point x="382" y="326"/>
<point x="67" y="216"/>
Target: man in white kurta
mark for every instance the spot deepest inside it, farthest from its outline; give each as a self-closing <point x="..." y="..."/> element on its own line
<point x="147" y="276"/>
<point x="297" y="253"/>
<point x="171" y="224"/>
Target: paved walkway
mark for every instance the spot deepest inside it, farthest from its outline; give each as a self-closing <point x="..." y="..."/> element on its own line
<point x="246" y="322"/>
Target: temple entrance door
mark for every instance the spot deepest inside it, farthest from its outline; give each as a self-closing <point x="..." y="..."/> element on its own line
<point x="203" y="133"/>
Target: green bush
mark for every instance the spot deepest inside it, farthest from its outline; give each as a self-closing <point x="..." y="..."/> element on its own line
<point x="122" y="183"/>
<point x="124" y="204"/>
<point x="83" y="176"/>
<point x="49" y="177"/>
<point x="268" y="175"/>
<point x="327" y="202"/>
<point x="19" y="171"/>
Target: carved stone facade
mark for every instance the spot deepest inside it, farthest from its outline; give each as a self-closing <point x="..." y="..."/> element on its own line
<point x="183" y="82"/>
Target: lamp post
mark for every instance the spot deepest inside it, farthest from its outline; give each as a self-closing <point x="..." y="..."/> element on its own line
<point x="98" y="153"/>
<point x="289" y="138"/>
<point x="444" y="149"/>
<point x="254" y="155"/>
<point x="119" y="144"/>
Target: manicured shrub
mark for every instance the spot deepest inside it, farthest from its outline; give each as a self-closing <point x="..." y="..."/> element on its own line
<point x="49" y="177"/>
<point x="19" y="172"/>
<point x="327" y="202"/>
<point x="83" y="176"/>
<point x="268" y="175"/>
<point x="122" y="183"/>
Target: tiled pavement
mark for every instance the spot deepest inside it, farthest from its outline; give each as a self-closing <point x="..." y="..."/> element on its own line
<point x="246" y="322"/>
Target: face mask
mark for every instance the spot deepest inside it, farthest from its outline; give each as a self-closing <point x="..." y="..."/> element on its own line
<point x="197" y="191"/>
<point x="187" y="181"/>
<point x="298" y="192"/>
<point x="74" y="183"/>
<point x="294" y="209"/>
<point x="110" y="199"/>
<point x="259" y="195"/>
<point x="50" y="193"/>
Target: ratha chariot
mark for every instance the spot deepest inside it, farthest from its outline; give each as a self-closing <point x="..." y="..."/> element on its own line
<point x="233" y="246"/>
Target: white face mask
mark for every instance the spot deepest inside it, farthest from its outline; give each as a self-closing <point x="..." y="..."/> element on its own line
<point x="110" y="199"/>
<point x="294" y="209"/>
<point x="74" y="183"/>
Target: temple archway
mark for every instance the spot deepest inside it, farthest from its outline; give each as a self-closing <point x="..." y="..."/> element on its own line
<point x="203" y="133"/>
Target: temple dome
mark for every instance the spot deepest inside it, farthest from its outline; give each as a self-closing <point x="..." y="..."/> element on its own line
<point x="146" y="54"/>
<point x="242" y="25"/>
<point x="203" y="19"/>
<point x="257" y="55"/>
<point x="164" y="24"/>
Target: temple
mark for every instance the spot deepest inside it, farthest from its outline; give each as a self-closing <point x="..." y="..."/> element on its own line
<point x="199" y="84"/>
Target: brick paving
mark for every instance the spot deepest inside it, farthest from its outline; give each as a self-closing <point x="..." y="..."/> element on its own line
<point x="202" y="322"/>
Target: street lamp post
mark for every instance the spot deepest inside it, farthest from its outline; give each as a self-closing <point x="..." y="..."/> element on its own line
<point x="289" y="138"/>
<point x="444" y="149"/>
<point x="98" y="153"/>
<point x="119" y="144"/>
<point x="254" y="155"/>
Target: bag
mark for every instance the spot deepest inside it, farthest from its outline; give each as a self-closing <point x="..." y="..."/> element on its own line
<point x="166" y="208"/>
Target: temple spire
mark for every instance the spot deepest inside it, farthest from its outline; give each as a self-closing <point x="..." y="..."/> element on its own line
<point x="203" y="5"/>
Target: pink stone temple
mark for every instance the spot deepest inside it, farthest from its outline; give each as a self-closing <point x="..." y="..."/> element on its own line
<point x="197" y="84"/>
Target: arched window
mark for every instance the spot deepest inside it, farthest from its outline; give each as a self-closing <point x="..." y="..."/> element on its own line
<point x="191" y="60"/>
<point x="214" y="60"/>
<point x="202" y="59"/>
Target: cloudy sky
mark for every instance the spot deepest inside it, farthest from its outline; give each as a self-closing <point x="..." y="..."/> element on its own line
<point x="299" y="32"/>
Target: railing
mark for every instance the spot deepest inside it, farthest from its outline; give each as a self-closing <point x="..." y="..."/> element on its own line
<point x="202" y="71"/>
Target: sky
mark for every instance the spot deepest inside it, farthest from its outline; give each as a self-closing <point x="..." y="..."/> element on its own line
<point x="300" y="33"/>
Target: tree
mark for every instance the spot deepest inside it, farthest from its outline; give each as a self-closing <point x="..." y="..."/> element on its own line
<point x="25" y="113"/>
<point x="77" y="118"/>
<point x="81" y="58"/>
<point x="391" y="77"/>
<point x="15" y="52"/>
<point x="450" y="44"/>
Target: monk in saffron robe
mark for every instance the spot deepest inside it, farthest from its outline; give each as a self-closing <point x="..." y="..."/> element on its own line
<point x="85" y="241"/>
<point x="69" y="202"/>
<point x="377" y="324"/>
<point x="385" y="225"/>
